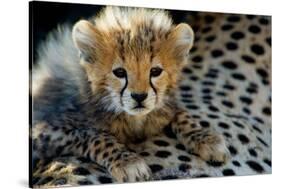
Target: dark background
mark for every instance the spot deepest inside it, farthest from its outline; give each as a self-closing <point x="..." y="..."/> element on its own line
<point x="46" y="16"/>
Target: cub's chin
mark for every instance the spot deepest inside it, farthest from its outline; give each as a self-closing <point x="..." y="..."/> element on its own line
<point x="138" y="111"/>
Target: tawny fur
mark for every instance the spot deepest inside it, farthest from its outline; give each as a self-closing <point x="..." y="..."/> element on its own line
<point x="76" y="106"/>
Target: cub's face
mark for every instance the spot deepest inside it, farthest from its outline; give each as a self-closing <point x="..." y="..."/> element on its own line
<point x="138" y="87"/>
<point x="137" y="71"/>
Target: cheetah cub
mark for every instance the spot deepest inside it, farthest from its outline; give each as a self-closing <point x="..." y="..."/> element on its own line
<point x="122" y="91"/>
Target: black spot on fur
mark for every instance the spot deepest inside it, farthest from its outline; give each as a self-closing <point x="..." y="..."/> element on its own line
<point x="261" y="72"/>
<point x="213" y="116"/>
<point x="228" y="104"/>
<point x="257" y="49"/>
<point x="185" y="88"/>
<point x="243" y="139"/>
<point x="109" y="144"/>
<point x="197" y="59"/>
<point x="220" y="93"/>
<point x="246" y="100"/>
<point x="207" y="97"/>
<point x="105" y="155"/>
<point x="193" y="49"/>
<point x="250" y="17"/>
<point x="163" y="154"/>
<point x="227" y="27"/>
<point x="265" y="82"/>
<point x="105" y="179"/>
<point x="238" y="76"/>
<point x="264" y="21"/>
<point x="161" y="143"/>
<point x="202" y="176"/>
<point x="206" y="29"/>
<point x="259" y="120"/>
<point x="255" y="166"/>
<point x="262" y="141"/>
<point x="266" y="111"/>
<point x="213" y="108"/>
<point x="246" y="110"/>
<point x="226" y="134"/>
<point x="236" y="163"/>
<point x="180" y="147"/>
<point x="251" y="90"/>
<point x="228" y="172"/>
<point x="210" y="38"/>
<point x="155" y="168"/>
<point x="228" y="87"/>
<point x="231" y="46"/>
<point x="97" y="142"/>
<point x="252" y="152"/>
<point x="254" y="29"/>
<point x="209" y="19"/>
<point x="84" y="182"/>
<point x="184" y="167"/>
<point x="196" y="66"/>
<point x="184" y="158"/>
<point x="192" y="107"/>
<point x="267" y="161"/>
<point x="229" y="65"/>
<point x="248" y="59"/>
<point x="144" y="154"/>
<point x="257" y="129"/>
<point x="223" y="125"/>
<point x="169" y="132"/>
<point x="211" y="75"/>
<point x="187" y="71"/>
<point x="186" y="95"/>
<point x="208" y="83"/>
<point x="206" y="90"/>
<point x="84" y="160"/>
<point x="233" y="18"/>
<point x="214" y="163"/>
<point x="237" y="35"/>
<point x="80" y="171"/>
<point x="216" y="53"/>
<point x="268" y="41"/>
<point x="232" y="150"/>
<point x="238" y="124"/>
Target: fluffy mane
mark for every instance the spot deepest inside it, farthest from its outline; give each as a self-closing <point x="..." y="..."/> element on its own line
<point x="122" y="18"/>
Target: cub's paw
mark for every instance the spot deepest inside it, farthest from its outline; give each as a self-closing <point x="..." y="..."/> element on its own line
<point x="209" y="145"/>
<point x="129" y="167"/>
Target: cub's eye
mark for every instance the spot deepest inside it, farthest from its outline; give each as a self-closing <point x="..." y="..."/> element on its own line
<point x="155" y="72"/>
<point x="120" y="72"/>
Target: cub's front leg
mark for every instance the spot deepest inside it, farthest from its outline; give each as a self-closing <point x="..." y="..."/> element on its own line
<point x="207" y="144"/>
<point x="99" y="146"/>
<point x="123" y="165"/>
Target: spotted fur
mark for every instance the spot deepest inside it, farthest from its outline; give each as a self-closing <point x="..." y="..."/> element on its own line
<point x="225" y="93"/>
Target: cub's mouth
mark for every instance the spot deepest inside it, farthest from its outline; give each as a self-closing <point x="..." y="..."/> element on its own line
<point x="139" y="106"/>
<point x="139" y="109"/>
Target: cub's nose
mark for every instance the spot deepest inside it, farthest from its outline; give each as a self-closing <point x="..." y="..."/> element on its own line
<point x="139" y="97"/>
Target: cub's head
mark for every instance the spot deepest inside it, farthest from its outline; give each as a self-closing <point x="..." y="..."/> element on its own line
<point x="136" y="55"/>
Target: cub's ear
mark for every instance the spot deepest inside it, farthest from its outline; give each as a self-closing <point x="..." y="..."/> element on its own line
<point x="85" y="37"/>
<point x="181" y="40"/>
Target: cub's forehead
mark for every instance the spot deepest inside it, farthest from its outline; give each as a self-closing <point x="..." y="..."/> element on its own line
<point x="140" y="42"/>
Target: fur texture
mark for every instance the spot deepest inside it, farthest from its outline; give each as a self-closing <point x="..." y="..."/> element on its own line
<point x="121" y="93"/>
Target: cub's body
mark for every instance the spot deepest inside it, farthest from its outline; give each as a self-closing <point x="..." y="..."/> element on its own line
<point x="121" y="92"/>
